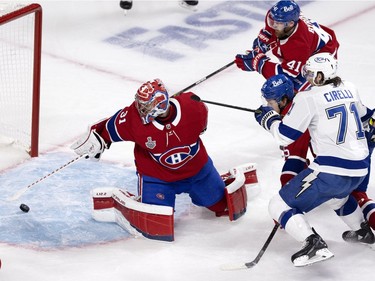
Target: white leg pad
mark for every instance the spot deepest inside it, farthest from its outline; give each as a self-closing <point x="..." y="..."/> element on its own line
<point x="250" y="172"/>
<point x="120" y="206"/>
<point x="103" y="204"/>
<point x="236" y="196"/>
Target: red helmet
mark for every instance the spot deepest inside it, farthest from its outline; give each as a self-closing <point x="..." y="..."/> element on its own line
<point x="151" y="100"/>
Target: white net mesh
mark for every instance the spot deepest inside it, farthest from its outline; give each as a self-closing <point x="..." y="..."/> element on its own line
<point x="16" y="76"/>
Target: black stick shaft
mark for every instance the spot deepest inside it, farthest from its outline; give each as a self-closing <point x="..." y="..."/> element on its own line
<point x="230" y="106"/>
<point x="264" y="248"/>
<point x="204" y="78"/>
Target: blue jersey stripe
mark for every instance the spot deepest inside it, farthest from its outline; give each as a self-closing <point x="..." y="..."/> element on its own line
<point x="111" y="127"/>
<point x="342" y="163"/>
<point x="289" y="132"/>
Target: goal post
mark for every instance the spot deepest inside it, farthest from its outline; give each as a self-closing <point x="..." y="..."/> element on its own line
<point x="20" y="68"/>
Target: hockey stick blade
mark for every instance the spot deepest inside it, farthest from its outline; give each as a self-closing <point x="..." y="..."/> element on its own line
<point x="238" y="266"/>
<point x="18" y="194"/>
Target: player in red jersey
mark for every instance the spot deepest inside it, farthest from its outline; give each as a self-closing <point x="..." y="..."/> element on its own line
<point x="291" y="38"/>
<point x="170" y="159"/>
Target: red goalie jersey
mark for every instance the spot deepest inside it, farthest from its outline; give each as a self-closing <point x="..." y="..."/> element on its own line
<point x="168" y="149"/>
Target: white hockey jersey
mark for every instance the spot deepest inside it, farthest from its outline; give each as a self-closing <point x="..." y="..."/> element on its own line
<point x="333" y="117"/>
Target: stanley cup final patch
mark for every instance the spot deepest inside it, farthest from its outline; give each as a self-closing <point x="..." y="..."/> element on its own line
<point x="150" y="143"/>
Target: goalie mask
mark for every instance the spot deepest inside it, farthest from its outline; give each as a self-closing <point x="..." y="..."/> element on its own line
<point x="151" y="100"/>
<point x="277" y="87"/>
<point x="321" y="63"/>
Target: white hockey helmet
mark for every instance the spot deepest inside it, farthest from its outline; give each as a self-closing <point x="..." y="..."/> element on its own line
<point x="324" y="63"/>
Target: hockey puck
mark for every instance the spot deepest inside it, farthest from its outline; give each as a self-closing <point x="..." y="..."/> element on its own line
<point x="24" y="208"/>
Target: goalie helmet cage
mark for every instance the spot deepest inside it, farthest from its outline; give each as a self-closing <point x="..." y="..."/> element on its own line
<point x="20" y="67"/>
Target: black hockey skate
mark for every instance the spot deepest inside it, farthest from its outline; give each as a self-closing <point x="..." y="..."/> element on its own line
<point x="364" y="235"/>
<point x="126" y="5"/>
<point x="314" y="249"/>
<point x="191" y="5"/>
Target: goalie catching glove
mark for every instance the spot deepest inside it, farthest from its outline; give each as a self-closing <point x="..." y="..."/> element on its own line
<point x="92" y="144"/>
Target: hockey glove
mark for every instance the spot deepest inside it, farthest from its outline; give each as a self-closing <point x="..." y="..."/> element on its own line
<point x="265" y="116"/>
<point x="262" y="42"/>
<point x="92" y="144"/>
<point x="253" y="61"/>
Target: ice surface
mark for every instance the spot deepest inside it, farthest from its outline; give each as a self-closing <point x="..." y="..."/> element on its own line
<point x="94" y="59"/>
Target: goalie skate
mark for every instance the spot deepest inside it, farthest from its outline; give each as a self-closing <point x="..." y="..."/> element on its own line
<point x="314" y="250"/>
<point x="190" y="5"/>
<point x="126" y="6"/>
<point x="364" y="235"/>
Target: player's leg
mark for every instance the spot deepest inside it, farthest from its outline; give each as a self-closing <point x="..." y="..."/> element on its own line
<point x="122" y="207"/>
<point x="360" y="194"/>
<point x="348" y="210"/>
<point x="314" y="249"/>
<point x="367" y="206"/>
<point x="249" y="170"/>
<point x="208" y="190"/>
<point x="301" y="195"/>
<point x="150" y="214"/>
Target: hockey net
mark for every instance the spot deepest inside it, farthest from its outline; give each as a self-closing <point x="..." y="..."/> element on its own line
<point x="20" y="55"/>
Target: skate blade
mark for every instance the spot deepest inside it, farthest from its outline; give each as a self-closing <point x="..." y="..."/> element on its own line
<point x="188" y="7"/>
<point x="321" y="255"/>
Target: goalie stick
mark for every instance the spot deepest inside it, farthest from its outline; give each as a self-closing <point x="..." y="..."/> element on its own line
<point x="20" y="192"/>
<point x="254" y="262"/>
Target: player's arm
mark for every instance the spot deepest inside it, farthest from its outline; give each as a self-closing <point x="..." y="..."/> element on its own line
<point x="204" y="122"/>
<point x="200" y="109"/>
<point x="256" y="60"/>
<point x="266" y="37"/>
<point x="91" y="144"/>
<point x="99" y="136"/>
<point x="293" y="125"/>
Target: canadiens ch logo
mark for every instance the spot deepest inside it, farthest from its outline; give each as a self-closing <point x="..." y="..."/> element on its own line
<point x="176" y="157"/>
<point x="150" y="143"/>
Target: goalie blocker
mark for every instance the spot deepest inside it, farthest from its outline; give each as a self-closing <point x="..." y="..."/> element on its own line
<point x="157" y="222"/>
